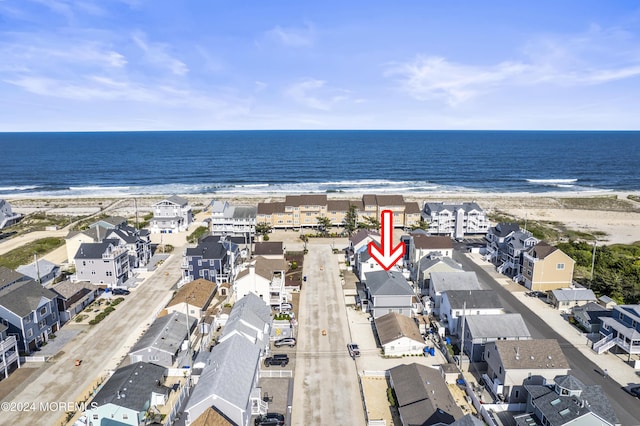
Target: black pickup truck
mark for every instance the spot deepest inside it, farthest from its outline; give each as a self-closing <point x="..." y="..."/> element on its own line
<point x="277" y="359"/>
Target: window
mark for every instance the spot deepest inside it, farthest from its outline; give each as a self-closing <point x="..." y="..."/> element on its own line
<point x="95" y="417"/>
<point x="43" y="311"/>
<point x="560" y="266"/>
<point x="516" y="393"/>
<point x="29" y="333"/>
<point x="500" y="370"/>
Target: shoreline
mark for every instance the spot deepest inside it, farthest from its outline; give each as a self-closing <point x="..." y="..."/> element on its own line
<point x="609" y="212"/>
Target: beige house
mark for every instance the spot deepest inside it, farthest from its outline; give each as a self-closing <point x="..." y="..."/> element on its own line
<point x="302" y="211"/>
<point x="194" y="297"/>
<point x="546" y="268"/>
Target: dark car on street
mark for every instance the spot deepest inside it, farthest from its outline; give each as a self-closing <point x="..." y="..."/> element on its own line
<point x="120" y="292"/>
<point x="277" y="359"/>
<point x="633" y="390"/>
<point x="270" y="419"/>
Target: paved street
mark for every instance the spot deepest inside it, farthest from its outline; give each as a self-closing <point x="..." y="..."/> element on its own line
<point x="101" y="347"/>
<point x="326" y="390"/>
<point x="583" y="367"/>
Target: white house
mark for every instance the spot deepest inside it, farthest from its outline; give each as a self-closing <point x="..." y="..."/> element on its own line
<point x="172" y="214"/>
<point x="399" y="335"/>
<point x="264" y="278"/>
<point x="7" y="216"/>
<point x="458" y="303"/>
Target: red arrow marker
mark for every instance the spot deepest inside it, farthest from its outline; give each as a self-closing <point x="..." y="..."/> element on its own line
<point x="386" y="256"/>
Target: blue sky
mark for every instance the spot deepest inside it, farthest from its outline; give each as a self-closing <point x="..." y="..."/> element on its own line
<point x="159" y="65"/>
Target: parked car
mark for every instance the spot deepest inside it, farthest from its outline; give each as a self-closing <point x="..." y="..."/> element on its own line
<point x="354" y="350"/>
<point x="286" y="341"/>
<point x="277" y="359"/>
<point x="120" y="292"/>
<point x="633" y="390"/>
<point x="270" y="419"/>
<point x="283" y="307"/>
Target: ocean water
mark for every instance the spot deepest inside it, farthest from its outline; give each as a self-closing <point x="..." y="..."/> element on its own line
<point x="248" y="162"/>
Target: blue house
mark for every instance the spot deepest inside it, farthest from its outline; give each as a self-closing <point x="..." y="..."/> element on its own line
<point x="214" y="259"/>
<point x="620" y="330"/>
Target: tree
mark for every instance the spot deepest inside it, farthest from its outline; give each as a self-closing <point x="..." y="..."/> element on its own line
<point x="263" y="228"/>
<point x="370" y="222"/>
<point x="324" y="224"/>
<point x="351" y="219"/>
<point x="420" y="225"/>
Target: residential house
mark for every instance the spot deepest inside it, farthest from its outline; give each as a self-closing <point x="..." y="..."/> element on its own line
<point x="510" y="260"/>
<point x="193" y="298"/>
<point x="399" y="335"/>
<point x="607" y="302"/>
<point x="30" y="312"/>
<point x="111" y="222"/>
<point x="365" y="263"/>
<point x="468" y="420"/>
<point x="264" y="278"/>
<point x="269" y="249"/>
<point x="172" y="214"/>
<point x="621" y="330"/>
<point x="137" y="242"/>
<point x="96" y="232"/>
<point x="497" y="237"/>
<point x="482" y="329"/>
<point x="229" y="383"/>
<point x="511" y="364"/>
<point x="567" y="401"/>
<point x="166" y="341"/>
<point x="388" y="291"/>
<point x="546" y="268"/>
<point x="589" y="316"/>
<point x="566" y="298"/>
<point x="9" y="353"/>
<point x="214" y="259"/>
<point x="422" y="245"/>
<point x="359" y="242"/>
<point x="7" y="216"/>
<point x="455" y="220"/>
<point x="428" y="264"/>
<point x="439" y="282"/>
<point x="41" y="271"/>
<point x="106" y="262"/>
<point x="128" y="395"/>
<point x="250" y="318"/>
<point x="9" y="277"/>
<point x="422" y="396"/>
<point x="227" y="219"/>
<point x="73" y="297"/>
<point x="465" y="303"/>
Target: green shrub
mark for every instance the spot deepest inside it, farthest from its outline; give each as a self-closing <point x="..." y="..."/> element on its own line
<point x="294" y="265"/>
<point x="391" y="397"/>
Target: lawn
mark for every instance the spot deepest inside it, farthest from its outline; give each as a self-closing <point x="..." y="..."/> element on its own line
<point x="24" y="255"/>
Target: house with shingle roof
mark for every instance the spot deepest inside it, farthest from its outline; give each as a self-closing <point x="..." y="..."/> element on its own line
<point x="214" y="258"/>
<point x="589" y="316"/>
<point x="621" y="329"/>
<point x="564" y="299"/>
<point x="164" y="342"/>
<point x="482" y="329"/>
<point x="172" y="214"/>
<point x="193" y="297"/>
<point x="9" y="352"/>
<point x="127" y="396"/>
<point x="546" y="267"/>
<point x="567" y="401"/>
<point x="465" y="303"/>
<point x="7" y="216"/>
<point x="386" y="292"/>
<point x="399" y="335"/>
<point x="250" y="318"/>
<point x="439" y="282"/>
<point x="422" y="396"/>
<point x="30" y="312"/>
<point x="429" y="264"/>
<point x="269" y="249"/>
<point x="42" y="271"/>
<point x="9" y="277"/>
<point x="265" y="278"/>
<point x="497" y="237"/>
<point x="511" y="364"/>
<point x="73" y="297"/>
<point x="137" y="242"/>
<point x="106" y="262"/>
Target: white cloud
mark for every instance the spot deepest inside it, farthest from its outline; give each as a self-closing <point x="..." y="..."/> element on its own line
<point x="156" y="53"/>
<point x="293" y="37"/>
<point x="305" y="93"/>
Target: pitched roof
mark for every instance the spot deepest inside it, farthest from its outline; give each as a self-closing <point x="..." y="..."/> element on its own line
<point x="427" y="263"/>
<point x="207" y="250"/>
<point x="165" y="333"/>
<point x="389" y="200"/>
<point x="111" y="220"/>
<point x="393" y="326"/>
<point x="339" y="205"/>
<point x="23" y="297"/>
<point x="265" y="267"/>
<point x="502" y="325"/>
<point x="131" y="386"/>
<point x="122" y="234"/>
<point x="531" y="354"/>
<point x="411" y="208"/>
<point x="363" y="234"/>
<point x="198" y="293"/>
<point x="425" y="242"/>
<point x="441" y="206"/>
<point x="249" y="316"/>
<point x="94" y="250"/>
<point x="212" y="417"/>
<point x="306" y="200"/>
<point x="541" y="250"/>
<point x="473" y="299"/>
<point x="503" y="229"/>
<point x="464" y="280"/>
<point x="67" y="289"/>
<point x="468" y="420"/>
<point x="387" y="283"/>
<point x="574" y="294"/>
<point x="8" y="276"/>
<point x="271" y="208"/>
<point x="268" y="248"/>
<point x="423" y="396"/>
<point x="177" y="200"/>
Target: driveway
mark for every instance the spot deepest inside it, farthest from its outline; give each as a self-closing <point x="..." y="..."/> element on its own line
<point x="326" y="390"/>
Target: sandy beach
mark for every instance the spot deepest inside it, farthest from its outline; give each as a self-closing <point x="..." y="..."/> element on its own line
<point x="611" y="213"/>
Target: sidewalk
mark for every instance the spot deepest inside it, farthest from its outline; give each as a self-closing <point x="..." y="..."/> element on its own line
<point x="616" y="367"/>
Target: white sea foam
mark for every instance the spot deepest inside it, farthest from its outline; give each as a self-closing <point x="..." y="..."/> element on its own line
<point x="552" y="181"/>
<point x="18" y="188"/>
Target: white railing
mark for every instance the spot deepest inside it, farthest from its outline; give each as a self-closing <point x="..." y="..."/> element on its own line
<point x="375" y="373"/>
<point x="33" y="359"/>
<point x="276" y="373"/>
<point x="380" y="422"/>
<point x="601" y="343"/>
<point x="9" y="359"/>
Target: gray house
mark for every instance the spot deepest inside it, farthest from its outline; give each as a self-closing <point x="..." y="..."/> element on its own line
<point x="172" y="214"/>
<point x="423" y="396"/>
<point x="458" y="303"/>
<point x="590" y="315"/>
<point x="165" y="341"/>
<point x="481" y="329"/>
<point x="73" y="297"/>
<point x="229" y="383"/>
<point x="439" y="282"/>
<point x="567" y="401"/>
<point x="106" y="262"/>
<point x="429" y="264"/>
<point x="250" y="318"/>
<point x="227" y="219"/>
<point x="42" y="271"/>
<point x="7" y="216"/>
<point x="386" y="292"/>
<point x="137" y="242"/>
<point x="30" y="313"/>
<point x="9" y="355"/>
<point x="128" y="394"/>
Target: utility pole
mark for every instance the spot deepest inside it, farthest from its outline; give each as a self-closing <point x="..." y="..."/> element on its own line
<point x="464" y="310"/>
<point x="593" y="258"/>
<point x="35" y="260"/>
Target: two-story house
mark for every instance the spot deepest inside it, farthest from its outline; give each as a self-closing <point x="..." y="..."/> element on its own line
<point x="9" y="353"/>
<point x="388" y="291"/>
<point x="546" y="268"/>
<point x="172" y="214"/>
<point x="30" y="312"/>
<point x="73" y="297"/>
<point x="457" y="304"/>
<point x="455" y="220"/>
<point x="264" y="278"/>
<point x="106" y="262"/>
<point x="193" y="298"/>
<point x="214" y="259"/>
<point x="621" y="329"/>
<point x="7" y="216"/>
<point x="439" y="282"/>
<point x="482" y="329"/>
<point x="428" y="265"/>
<point x="511" y="364"/>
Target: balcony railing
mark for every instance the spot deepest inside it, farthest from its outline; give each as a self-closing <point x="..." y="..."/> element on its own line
<point x="9" y="359"/>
